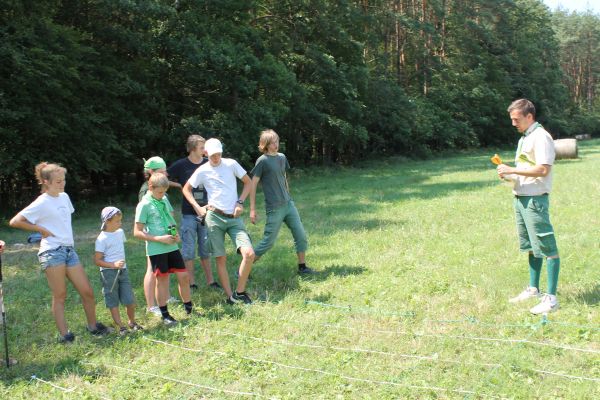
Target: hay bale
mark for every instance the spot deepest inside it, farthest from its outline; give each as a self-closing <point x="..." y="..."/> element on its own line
<point x="565" y="148"/>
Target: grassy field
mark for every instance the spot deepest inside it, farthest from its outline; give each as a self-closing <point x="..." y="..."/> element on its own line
<point x="416" y="262"/>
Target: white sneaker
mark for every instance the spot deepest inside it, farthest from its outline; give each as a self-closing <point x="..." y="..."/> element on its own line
<point x="172" y="300"/>
<point x="526" y="294"/>
<point x="154" y="310"/>
<point x="547" y="305"/>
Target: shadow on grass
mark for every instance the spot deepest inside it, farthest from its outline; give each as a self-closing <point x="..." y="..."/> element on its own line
<point x="592" y="296"/>
<point x="334" y="270"/>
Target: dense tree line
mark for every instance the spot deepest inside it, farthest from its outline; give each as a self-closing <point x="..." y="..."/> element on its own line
<point x="99" y="84"/>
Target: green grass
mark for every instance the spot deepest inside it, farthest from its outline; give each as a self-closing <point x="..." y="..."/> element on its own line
<point x="416" y="262"/>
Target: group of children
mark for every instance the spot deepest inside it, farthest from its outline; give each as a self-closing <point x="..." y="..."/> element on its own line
<point x="211" y="209"/>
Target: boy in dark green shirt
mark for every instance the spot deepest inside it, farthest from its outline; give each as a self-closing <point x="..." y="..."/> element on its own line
<point x="270" y="172"/>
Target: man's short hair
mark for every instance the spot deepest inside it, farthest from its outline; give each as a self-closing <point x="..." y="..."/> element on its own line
<point x="193" y="141"/>
<point x="524" y="106"/>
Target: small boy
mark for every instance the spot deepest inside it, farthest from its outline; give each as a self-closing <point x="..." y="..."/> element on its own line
<point x="110" y="257"/>
<point x="270" y="171"/>
<point x="155" y="224"/>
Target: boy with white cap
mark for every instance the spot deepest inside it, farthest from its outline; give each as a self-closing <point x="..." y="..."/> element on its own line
<point x="222" y="214"/>
<point x="110" y="257"/>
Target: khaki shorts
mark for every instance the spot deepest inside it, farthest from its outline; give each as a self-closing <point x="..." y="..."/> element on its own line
<point x="533" y="226"/>
<point x="218" y="226"/>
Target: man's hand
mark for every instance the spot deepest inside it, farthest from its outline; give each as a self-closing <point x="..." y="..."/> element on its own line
<point x="253" y="216"/>
<point x="504" y="170"/>
<point x="239" y="209"/>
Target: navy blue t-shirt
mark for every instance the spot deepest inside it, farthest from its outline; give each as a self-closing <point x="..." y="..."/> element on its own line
<point x="180" y="171"/>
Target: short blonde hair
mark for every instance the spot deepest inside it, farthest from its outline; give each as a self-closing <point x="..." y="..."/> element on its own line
<point x="267" y="137"/>
<point x="158" y="180"/>
<point x="44" y="171"/>
<point x="193" y="141"/>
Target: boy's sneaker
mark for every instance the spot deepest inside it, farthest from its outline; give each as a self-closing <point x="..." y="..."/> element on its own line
<point x="68" y="338"/>
<point x="215" y="285"/>
<point x="528" y="293"/>
<point x="306" y="271"/>
<point x="547" y="305"/>
<point x="154" y="310"/>
<point x="99" y="330"/>
<point x="169" y="321"/>
<point x="241" y="297"/>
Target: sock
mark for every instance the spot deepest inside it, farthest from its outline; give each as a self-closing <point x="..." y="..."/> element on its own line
<point x="553" y="269"/>
<point x="302" y="266"/>
<point x="164" y="311"/>
<point x="188" y="307"/>
<point x="238" y="293"/>
<point x="535" y="270"/>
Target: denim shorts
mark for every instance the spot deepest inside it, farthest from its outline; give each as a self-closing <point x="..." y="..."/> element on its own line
<point x="120" y="285"/>
<point x="193" y="234"/>
<point x="62" y="255"/>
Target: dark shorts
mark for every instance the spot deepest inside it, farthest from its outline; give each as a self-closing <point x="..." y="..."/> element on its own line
<point x="167" y="263"/>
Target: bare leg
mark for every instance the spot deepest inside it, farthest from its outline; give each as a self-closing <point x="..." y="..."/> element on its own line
<point x="205" y="262"/>
<point x="301" y="259"/>
<point x="184" y="286"/>
<point x="162" y="290"/>
<point x="149" y="285"/>
<point x="80" y="280"/>
<point x="56" y="281"/>
<point x="114" y="312"/>
<point x="245" y="267"/>
<point x="223" y="276"/>
<point x="189" y="266"/>
<point x="130" y="313"/>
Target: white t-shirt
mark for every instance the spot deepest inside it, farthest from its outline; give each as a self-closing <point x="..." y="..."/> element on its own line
<point x="537" y="149"/>
<point x="112" y="245"/>
<point x="54" y="214"/>
<point x="220" y="183"/>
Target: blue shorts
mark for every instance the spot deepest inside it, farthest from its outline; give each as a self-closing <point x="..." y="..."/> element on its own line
<point x="193" y="234"/>
<point x="121" y="288"/>
<point x="62" y="255"/>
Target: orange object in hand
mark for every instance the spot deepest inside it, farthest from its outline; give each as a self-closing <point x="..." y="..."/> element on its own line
<point x="496" y="159"/>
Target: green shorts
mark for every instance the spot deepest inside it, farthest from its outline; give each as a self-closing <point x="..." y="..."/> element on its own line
<point x="218" y="226"/>
<point x="533" y="226"/>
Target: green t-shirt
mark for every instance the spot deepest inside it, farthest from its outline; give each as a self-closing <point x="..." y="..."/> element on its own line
<point x="147" y="213"/>
<point x="271" y="171"/>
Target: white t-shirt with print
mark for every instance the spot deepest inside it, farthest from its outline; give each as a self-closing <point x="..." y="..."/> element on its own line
<point x="53" y="214"/>
<point x="220" y="183"/>
<point x="537" y="149"/>
<point x="112" y="245"/>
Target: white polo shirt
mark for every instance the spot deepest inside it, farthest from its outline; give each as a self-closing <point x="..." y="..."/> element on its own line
<point x="537" y="148"/>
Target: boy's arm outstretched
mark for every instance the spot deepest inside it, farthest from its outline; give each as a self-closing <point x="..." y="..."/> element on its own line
<point x="253" y="216"/>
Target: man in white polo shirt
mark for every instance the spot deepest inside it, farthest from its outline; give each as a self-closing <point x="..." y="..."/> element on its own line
<point x="532" y="179"/>
<point x="222" y="214"/>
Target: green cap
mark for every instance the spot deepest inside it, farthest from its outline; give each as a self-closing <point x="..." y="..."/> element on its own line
<point x="155" y="163"/>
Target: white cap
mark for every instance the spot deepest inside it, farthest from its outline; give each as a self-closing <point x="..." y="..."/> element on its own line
<point x="213" y="146"/>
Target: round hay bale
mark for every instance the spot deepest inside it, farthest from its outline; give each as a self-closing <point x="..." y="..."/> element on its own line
<point x="565" y="148"/>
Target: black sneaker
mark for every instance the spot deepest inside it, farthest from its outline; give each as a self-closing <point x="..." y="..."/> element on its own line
<point x="68" y="338"/>
<point x="99" y="330"/>
<point x="241" y="297"/>
<point x="169" y="321"/>
<point x="193" y="286"/>
<point x="306" y="271"/>
<point x="215" y="285"/>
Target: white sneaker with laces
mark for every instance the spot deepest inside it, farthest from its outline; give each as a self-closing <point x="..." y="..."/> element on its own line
<point x="154" y="310"/>
<point x="547" y="305"/>
<point x="528" y="293"/>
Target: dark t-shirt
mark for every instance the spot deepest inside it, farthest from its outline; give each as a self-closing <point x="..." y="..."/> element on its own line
<point x="180" y="171"/>
<point x="271" y="171"/>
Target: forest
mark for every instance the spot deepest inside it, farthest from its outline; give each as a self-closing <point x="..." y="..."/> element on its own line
<point x="98" y="85"/>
